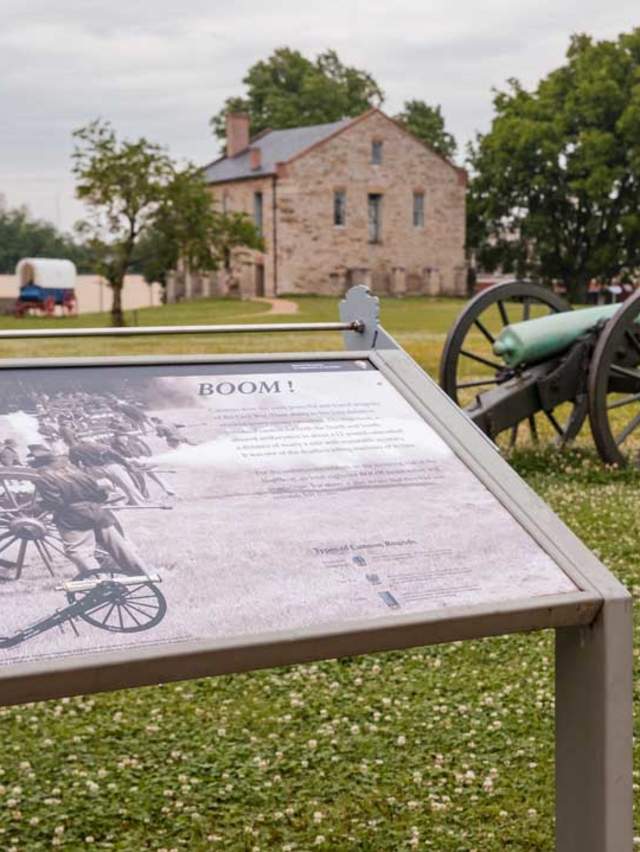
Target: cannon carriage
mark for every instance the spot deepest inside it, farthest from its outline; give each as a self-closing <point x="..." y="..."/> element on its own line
<point x="526" y="367"/>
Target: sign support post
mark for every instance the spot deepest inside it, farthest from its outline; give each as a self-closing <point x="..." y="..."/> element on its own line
<point x="594" y="693"/>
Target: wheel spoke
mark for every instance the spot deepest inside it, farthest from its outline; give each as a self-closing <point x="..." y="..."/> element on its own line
<point x="109" y="611"/>
<point x="43" y="550"/>
<point x="503" y="313"/>
<point x="129" y="606"/>
<point x="53" y="545"/>
<point x="141" y="606"/>
<point x="480" y="359"/>
<point x="526" y="309"/>
<point x="631" y="426"/>
<point x="627" y="400"/>
<point x="633" y="340"/>
<point x="20" y="558"/>
<point x="10" y="494"/>
<point x="129" y="612"/>
<point x="627" y="372"/>
<point x="485" y="331"/>
<point x="554" y="423"/>
<point x="476" y="384"/>
<point x="8" y="544"/>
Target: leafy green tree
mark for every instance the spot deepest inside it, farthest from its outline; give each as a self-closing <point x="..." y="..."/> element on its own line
<point x="122" y="183"/>
<point x="188" y="230"/>
<point x="22" y="236"/>
<point x="556" y="181"/>
<point x="289" y="90"/>
<point x="427" y="123"/>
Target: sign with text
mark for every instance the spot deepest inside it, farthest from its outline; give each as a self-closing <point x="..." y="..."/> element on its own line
<point x="153" y="505"/>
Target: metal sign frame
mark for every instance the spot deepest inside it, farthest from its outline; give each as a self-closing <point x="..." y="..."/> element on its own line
<point x="594" y="641"/>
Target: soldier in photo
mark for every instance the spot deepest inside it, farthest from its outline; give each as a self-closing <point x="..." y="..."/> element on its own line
<point x="126" y="440"/>
<point x="128" y="446"/>
<point x="9" y="455"/>
<point x="79" y="508"/>
<point x="103" y="462"/>
<point x="170" y="433"/>
<point x="134" y="412"/>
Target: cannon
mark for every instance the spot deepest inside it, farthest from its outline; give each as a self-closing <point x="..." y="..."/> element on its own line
<point x="525" y="367"/>
<point x="108" y="599"/>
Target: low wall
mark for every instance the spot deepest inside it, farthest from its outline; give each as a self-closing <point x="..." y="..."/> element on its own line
<point x="94" y="295"/>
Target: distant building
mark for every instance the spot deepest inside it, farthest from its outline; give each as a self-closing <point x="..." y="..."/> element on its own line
<point x="356" y="201"/>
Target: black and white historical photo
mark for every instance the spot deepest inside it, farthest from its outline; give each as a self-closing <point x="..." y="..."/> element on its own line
<point x="149" y="504"/>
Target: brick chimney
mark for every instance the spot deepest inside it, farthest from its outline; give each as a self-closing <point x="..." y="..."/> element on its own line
<point x="237" y="132"/>
<point x="255" y="159"/>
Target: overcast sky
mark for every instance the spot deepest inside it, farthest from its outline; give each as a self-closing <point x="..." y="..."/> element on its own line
<point x="160" y="69"/>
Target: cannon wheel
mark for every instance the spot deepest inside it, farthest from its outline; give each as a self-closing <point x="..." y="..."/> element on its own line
<point x="25" y="528"/>
<point x="469" y="347"/>
<point x="614" y="388"/>
<point x="126" y="609"/>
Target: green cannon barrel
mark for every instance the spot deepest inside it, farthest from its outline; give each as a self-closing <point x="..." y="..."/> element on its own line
<point x="535" y="340"/>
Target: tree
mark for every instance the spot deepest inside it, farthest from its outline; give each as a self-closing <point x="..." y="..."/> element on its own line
<point x="187" y="229"/>
<point x="427" y="123"/>
<point x="22" y="236"/>
<point x="289" y="90"/>
<point x="556" y="182"/>
<point x="122" y="183"/>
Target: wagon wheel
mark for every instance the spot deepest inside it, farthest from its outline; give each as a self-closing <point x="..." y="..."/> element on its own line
<point x="25" y="529"/>
<point x="468" y="365"/>
<point x="123" y="608"/>
<point x="614" y="387"/>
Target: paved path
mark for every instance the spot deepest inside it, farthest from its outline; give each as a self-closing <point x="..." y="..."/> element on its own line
<point x="279" y="306"/>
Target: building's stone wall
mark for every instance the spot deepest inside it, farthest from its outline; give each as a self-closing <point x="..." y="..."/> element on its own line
<point x="316" y="256"/>
<point x="243" y="277"/>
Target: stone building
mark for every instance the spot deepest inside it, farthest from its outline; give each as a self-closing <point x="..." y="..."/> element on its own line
<point x="357" y="201"/>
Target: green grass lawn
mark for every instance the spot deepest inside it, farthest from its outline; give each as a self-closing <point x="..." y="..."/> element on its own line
<point x="447" y="748"/>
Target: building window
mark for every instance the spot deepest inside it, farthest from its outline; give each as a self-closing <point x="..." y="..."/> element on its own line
<point x="376" y="152"/>
<point x="418" y="209"/>
<point x="375" y="217"/>
<point x="340" y="208"/>
<point x="257" y="211"/>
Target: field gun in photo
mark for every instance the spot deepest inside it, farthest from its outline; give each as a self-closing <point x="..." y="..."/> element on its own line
<point x="525" y="367"/>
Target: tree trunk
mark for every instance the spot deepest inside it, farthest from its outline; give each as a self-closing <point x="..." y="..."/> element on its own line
<point x="117" y="314"/>
<point x="577" y="289"/>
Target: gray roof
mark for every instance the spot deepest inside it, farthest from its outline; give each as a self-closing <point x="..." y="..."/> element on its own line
<point x="276" y="146"/>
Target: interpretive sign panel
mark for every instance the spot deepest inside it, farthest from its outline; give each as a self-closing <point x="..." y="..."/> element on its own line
<point x="154" y="505"/>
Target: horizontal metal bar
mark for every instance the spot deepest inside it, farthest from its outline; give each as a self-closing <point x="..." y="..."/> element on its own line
<point x="138" y="331"/>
